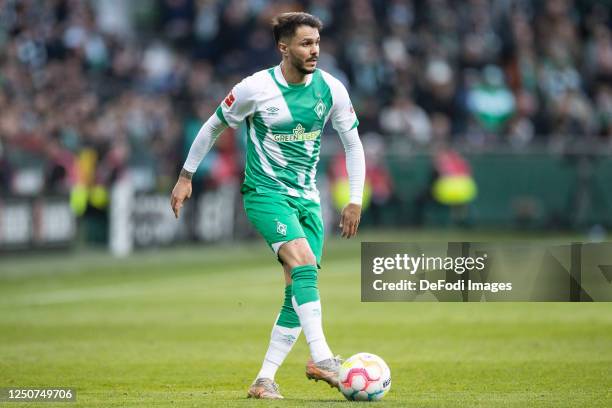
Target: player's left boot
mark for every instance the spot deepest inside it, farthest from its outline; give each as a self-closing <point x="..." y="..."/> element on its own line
<point x="264" y="388"/>
<point x="326" y="370"/>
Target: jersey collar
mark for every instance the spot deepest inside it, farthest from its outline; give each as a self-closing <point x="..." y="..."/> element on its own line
<point x="278" y="74"/>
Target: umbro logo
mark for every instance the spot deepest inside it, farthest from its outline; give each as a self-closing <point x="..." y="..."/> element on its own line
<point x="272" y="110"/>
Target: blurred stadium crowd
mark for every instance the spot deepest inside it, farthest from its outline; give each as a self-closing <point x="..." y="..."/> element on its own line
<point x="88" y="88"/>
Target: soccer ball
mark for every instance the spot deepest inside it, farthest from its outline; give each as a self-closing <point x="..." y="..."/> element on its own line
<point x="364" y="377"/>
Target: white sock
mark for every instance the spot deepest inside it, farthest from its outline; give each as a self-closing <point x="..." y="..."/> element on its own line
<point x="282" y="340"/>
<point x="310" y="320"/>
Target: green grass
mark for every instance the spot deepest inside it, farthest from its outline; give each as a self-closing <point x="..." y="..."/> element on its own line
<point x="188" y="327"/>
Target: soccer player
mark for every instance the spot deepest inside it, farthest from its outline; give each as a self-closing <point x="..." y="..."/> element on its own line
<point x="285" y="109"/>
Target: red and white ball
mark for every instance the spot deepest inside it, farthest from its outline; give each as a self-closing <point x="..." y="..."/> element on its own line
<point x="364" y="377"/>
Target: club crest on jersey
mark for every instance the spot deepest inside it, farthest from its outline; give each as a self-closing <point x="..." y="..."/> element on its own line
<point x="229" y="99"/>
<point x="281" y="228"/>
<point x="288" y="339"/>
<point x="320" y="109"/>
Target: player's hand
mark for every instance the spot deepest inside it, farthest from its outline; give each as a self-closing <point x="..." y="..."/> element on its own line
<point x="180" y="192"/>
<point x="349" y="220"/>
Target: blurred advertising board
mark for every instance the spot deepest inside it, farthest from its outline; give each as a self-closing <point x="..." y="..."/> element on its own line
<point x="41" y="222"/>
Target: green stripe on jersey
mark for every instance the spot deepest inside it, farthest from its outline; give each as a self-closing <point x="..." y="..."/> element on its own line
<point x="220" y="115"/>
<point x="259" y="171"/>
<point x="276" y="173"/>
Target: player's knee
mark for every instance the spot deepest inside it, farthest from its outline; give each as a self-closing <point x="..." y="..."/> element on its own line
<point x="297" y="253"/>
<point x="304" y="258"/>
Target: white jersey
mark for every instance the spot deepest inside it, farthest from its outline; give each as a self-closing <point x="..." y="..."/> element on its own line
<point x="284" y="125"/>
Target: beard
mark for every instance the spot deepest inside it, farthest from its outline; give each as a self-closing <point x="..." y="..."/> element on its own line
<point x="301" y="66"/>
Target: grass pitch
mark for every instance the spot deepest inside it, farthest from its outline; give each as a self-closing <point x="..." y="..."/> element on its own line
<point x="188" y="327"/>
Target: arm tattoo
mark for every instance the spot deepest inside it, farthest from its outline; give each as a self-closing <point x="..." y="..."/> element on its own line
<point x="186" y="174"/>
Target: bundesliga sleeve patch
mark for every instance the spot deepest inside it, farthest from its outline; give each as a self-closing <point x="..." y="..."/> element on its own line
<point x="229" y="99"/>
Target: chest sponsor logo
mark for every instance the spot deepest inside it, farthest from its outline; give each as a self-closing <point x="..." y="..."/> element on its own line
<point x="299" y="135"/>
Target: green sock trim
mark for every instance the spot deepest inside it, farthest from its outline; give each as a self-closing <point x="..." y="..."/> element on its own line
<point x="287" y="317"/>
<point x="305" y="284"/>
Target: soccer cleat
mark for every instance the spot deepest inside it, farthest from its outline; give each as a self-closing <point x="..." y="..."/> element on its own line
<point x="264" y="388"/>
<point x="326" y="370"/>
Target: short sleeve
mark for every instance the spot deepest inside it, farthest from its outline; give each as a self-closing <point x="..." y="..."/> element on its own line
<point x="237" y="105"/>
<point x="343" y="115"/>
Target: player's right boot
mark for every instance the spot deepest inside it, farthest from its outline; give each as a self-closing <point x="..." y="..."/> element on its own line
<point x="326" y="370"/>
<point x="264" y="388"/>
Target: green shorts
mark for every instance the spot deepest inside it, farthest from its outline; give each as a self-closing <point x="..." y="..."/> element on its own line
<point x="280" y="218"/>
